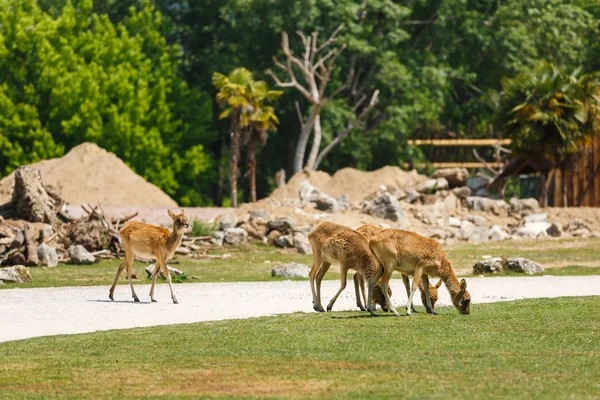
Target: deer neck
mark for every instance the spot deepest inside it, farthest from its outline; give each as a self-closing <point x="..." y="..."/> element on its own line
<point x="174" y="240"/>
<point x="451" y="283"/>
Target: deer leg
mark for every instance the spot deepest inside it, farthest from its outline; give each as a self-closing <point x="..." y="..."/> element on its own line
<point x="429" y="306"/>
<point x="371" y="285"/>
<point x="154" y="276"/>
<point x="313" y="272"/>
<point x="359" y="284"/>
<point x="415" y="285"/>
<point x="165" y="269"/>
<point x="111" y="292"/>
<point x="384" y="287"/>
<point x="344" y="273"/>
<point x="129" y="261"/>
<point x="322" y="271"/>
<point x="407" y="286"/>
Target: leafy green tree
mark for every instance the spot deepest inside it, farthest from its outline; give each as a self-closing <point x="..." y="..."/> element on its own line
<point x="550" y="115"/>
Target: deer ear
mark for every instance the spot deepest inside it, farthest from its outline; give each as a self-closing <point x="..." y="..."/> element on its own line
<point x="463" y="285"/>
<point x="171" y="214"/>
<point x="182" y="212"/>
<point x="437" y="285"/>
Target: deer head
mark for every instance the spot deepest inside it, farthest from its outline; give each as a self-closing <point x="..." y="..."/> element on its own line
<point x="179" y="221"/>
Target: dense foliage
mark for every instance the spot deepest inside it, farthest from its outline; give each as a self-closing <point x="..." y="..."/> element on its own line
<point x="135" y="77"/>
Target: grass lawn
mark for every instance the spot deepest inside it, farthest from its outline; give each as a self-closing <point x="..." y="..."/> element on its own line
<point x="254" y="262"/>
<point x="527" y="349"/>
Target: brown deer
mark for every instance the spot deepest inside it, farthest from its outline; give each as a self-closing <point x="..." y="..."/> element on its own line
<point x="333" y="243"/>
<point x="371" y="230"/>
<point x="378" y="297"/>
<point x="150" y="241"/>
<point x="416" y="255"/>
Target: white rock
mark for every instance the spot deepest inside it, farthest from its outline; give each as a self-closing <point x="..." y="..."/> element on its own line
<point x="454" y="222"/>
<point x="536" y="218"/>
<point x="291" y="270"/>
<point x="496" y="233"/>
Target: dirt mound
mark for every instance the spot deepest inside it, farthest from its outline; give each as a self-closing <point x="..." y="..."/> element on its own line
<point x="352" y="182"/>
<point x="93" y="175"/>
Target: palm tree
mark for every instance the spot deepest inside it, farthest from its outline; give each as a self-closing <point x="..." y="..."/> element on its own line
<point x="549" y="115"/>
<point x="242" y="99"/>
<point x="232" y="96"/>
<point x="263" y="119"/>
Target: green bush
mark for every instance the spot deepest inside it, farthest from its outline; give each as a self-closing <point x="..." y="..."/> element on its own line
<point x="203" y="228"/>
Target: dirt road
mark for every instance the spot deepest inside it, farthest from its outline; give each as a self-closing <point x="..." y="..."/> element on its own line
<point x="51" y="311"/>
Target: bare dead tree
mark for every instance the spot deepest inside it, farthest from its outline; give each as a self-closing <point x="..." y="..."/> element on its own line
<point x="316" y="65"/>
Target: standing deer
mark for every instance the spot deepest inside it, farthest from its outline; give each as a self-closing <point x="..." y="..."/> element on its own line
<point x="416" y="255"/>
<point x="333" y="243"/>
<point x="371" y="230"/>
<point x="150" y="241"/>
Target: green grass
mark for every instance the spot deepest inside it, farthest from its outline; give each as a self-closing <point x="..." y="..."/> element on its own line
<point x="254" y="262"/>
<point x="528" y="349"/>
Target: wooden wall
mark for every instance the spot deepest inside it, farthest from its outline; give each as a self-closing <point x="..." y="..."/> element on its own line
<point x="582" y="178"/>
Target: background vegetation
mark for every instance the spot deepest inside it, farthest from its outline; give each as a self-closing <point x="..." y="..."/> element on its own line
<point x="134" y="76"/>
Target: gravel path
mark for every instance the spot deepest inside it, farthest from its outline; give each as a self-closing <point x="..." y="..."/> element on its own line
<point x="51" y="311"/>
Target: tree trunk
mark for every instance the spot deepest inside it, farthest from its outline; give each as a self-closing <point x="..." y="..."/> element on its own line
<point x="234" y="156"/>
<point x="303" y="138"/>
<point x="30" y="199"/>
<point x="252" y="168"/>
<point x="316" y="144"/>
<point x="563" y="183"/>
<point x="544" y="195"/>
<point x="31" y="247"/>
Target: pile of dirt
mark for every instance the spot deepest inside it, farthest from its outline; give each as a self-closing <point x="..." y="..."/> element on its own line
<point x="90" y="174"/>
<point x="349" y="181"/>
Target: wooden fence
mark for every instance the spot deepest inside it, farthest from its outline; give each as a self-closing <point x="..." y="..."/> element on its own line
<point x="582" y="179"/>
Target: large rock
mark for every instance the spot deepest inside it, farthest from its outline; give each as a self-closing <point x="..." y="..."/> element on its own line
<point x="454" y="176"/>
<point x="462" y="192"/>
<point x="454" y="222"/>
<point x="385" y="205"/>
<point x="284" y="241"/>
<point x="412" y="195"/>
<point x="520" y="264"/>
<point x="15" y="274"/>
<point x="478" y="183"/>
<point x="533" y="229"/>
<point x="259" y="214"/>
<point x="324" y="202"/>
<point x="30" y="200"/>
<point x="478" y="235"/>
<point x="257" y="228"/>
<point x="291" y="270"/>
<point x="227" y="221"/>
<point x="451" y="201"/>
<point x="555" y="229"/>
<point x="282" y="224"/>
<point x="235" y="236"/>
<point x="497" y="234"/>
<point x="433" y="185"/>
<point x="466" y="228"/>
<point x="302" y="244"/>
<point x="536" y="218"/>
<point x="524" y="206"/>
<point x="173" y="271"/>
<point x="478" y="220"/>
<point x="490" y="266"/>
<point x="217" y="238"/>
<point x="79" y="255"/>
<point x="47" y="255"/>
<point x="497" y="207"/>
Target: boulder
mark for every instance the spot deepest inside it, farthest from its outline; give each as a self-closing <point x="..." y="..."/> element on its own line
<point x="524" y="206"/>
<point x="454" y="222"/>
<point x="217" y="238"/>
<point x="80" y="255"/>
<point x="576" y="224"/>
<point x="259" y="214"/>
<point x="257" y="228"/>
<point x="533" y="229"/>
<point x="291" y="270"/>
<point x="478" y="220"/>
<point x="282" y="224"/>
<point x="454" y="176"/>
<point x="18" y="241"/>
<point x="235" y="236"/>
<point x="302" y="244"/>
<point x="385" y="206"/>
<point x="227" y="221"/>
<point x="497" y="207"/>
<point x="496" y="233"/>
<point x="15" y="274"/>
<point x="433" y="185"/>
<point x="47" y="255"/>
<point x="451" y="201"/>
<point x="555" y="229"/>
<point x="478" y="235"/>
<point x="412" y="195"/>
<point x="466" y="228"/>
<point x="284" y="241"/>
<point x="324" y="202"/>
<point x="490" y="266"/>
<point x="462" y="192"/>
<point x="172" y="271"/>
<point x="478" y="182"/>
<point x="273" y="236"/>
<point x="536" y="218"/>
<point x="520" y="264"/>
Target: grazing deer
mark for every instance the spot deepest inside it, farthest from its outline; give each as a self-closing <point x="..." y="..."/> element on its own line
<point x="371" y="230"/>
<point x="150" y="241"/>
<point x="333" y="243"/>
<point x="416" y="255"/>
<point x="378" y="297"/>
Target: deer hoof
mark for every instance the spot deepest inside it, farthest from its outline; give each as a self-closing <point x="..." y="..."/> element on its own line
<point x="136" y="300"/>
<point x="329" y="307"/>
<point x="110" y="296"/>
<point x="175" y="301"/>
<point x="154" y="300"/>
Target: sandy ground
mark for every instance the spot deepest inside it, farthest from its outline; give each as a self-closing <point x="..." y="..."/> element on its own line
<point x="51" y="311"/>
